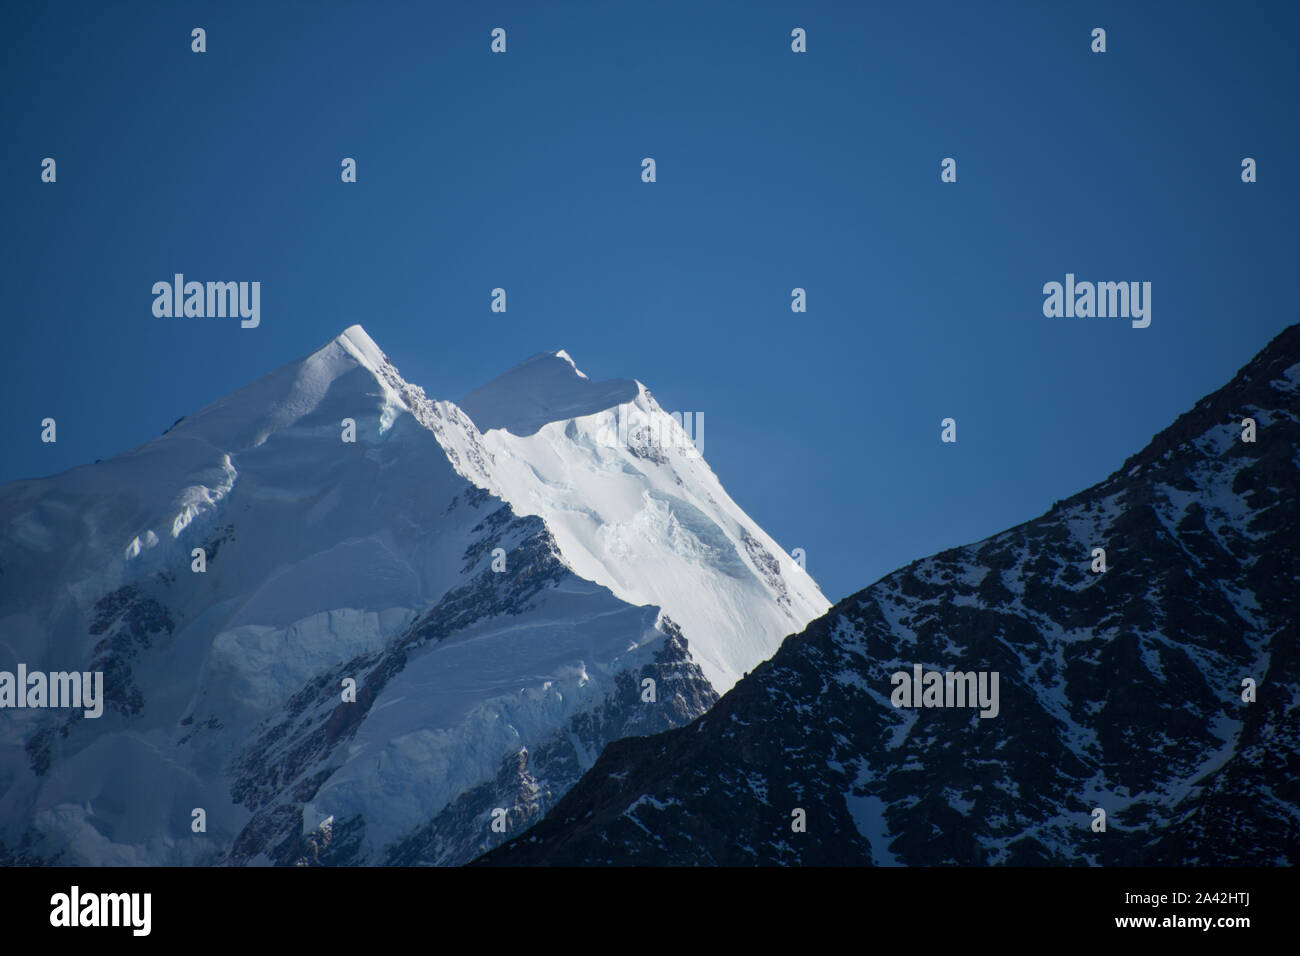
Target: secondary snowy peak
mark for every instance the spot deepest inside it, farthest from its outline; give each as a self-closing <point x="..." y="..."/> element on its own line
<point x="625" y="490"/>
<point x="546" y="388"/>
<point x="569" y="358"/>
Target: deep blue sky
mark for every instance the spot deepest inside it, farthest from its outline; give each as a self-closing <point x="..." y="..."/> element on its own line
<point x="775" y="170"/>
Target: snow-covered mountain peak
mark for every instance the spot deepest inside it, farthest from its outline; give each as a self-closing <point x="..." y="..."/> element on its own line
<point x="545" y="388"/>
<point x="497" y="599"/>
<point x="569" y="358"/>
<point x="624" y="488"/>
<point x="362" y="347"/>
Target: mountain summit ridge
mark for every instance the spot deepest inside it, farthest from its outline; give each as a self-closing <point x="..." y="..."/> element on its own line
<point x="545" y="388"/>
<point x="398" y="624"/>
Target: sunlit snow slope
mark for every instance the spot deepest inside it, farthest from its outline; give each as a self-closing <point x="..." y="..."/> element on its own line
<point x="635" y="507"/>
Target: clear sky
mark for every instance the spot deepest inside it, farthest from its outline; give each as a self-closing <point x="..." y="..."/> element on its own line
<point x="775" y="170"/>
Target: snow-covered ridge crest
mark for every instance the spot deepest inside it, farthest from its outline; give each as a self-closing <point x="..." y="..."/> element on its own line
<point x="548" y="387"/>
<point x="371" y="560"/>
<point x="647" y="519"/>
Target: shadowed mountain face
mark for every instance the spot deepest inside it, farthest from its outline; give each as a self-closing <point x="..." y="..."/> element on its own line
<point x="1127" y="690"/>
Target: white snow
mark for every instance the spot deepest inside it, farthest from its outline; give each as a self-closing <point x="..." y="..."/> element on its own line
<point x="321" y="550"/>
<point x="660" y="532"/>
<point x="545" y="388"/>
